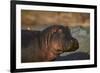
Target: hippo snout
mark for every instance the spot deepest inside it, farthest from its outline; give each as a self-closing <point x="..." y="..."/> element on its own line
<point x="72" y="45"/>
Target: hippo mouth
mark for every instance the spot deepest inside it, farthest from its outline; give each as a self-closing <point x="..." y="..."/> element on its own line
<point x="54" y="54"/>
<point x="57" y="53"/>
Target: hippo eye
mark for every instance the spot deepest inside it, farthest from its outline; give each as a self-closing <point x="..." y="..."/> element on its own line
<point x="60" y="30"/>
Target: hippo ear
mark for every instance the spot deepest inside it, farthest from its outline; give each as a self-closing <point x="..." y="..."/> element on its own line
<point x="53" y="30"/>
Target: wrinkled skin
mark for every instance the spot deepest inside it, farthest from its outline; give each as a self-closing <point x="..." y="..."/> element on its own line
<point x="58" y="39"/>
<point x="48" y="44"/>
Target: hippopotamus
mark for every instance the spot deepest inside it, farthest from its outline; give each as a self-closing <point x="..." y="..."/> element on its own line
<point x="46" y="45"/>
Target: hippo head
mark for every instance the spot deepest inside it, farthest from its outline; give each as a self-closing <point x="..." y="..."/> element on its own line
<point x="55" y="40"/>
